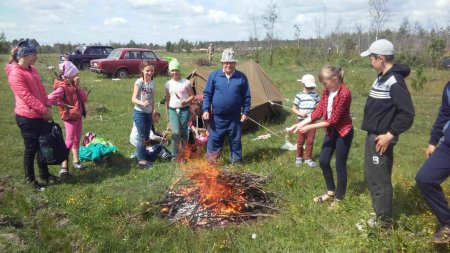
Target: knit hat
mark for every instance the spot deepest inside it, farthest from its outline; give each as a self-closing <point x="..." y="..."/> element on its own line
<point x="25" y="48"/>
<point x="380" y="47"/>
<point x="174" y="64"/>
<point x="228" y="55"/>
<point x="68" y="69"/>
<point x="308" y="80"/>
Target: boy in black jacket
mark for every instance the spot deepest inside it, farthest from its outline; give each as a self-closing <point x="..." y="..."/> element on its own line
<point x="436" y="169"/>
<point x="388" y="112"/>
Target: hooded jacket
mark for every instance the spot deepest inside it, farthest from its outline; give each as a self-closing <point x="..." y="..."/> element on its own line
<point x="70" y="95"/>
<point x="389" y="107"/>
<point x="29" y="93"/>
<point x="442" y="118"/>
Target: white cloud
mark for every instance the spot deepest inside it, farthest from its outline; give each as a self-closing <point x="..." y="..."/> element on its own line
<point x="115" y="21"/>
<point x="7" y="25"/>
<point x="198" y="20"/>
<point x="52" y="18"/>
<point x="148" y="3"/>
<point x="198" y="9"/>
<point x="218" y="16"/>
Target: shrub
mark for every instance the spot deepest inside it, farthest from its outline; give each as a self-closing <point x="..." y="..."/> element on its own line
<point x="203" y="62"/>
<point x="419" y="79"/>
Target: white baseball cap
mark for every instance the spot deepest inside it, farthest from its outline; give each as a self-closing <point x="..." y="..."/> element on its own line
<point x="308" y="80"/>
<point x="380" y="47"/>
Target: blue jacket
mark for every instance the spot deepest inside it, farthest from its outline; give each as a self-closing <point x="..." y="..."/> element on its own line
<point x="442" y="118"/>
<point x="227" y="97"/>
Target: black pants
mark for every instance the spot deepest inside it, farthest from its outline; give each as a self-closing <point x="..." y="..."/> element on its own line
<point x="331" y="143"/>
<point x="377" y="172"/>
<point x="31" y="129"/>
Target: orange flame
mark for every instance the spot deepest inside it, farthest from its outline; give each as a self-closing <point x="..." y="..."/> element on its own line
<point x="213" y="192"/>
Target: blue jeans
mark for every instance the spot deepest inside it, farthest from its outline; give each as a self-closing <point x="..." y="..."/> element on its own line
<point x="342" y="147"/>
<point x="433" y="173"/>
<point x="143" y="123"/>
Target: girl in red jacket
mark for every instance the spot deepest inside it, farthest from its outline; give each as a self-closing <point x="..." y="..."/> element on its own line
<point x="70" y="98"/>
<point x="334" y="108"/>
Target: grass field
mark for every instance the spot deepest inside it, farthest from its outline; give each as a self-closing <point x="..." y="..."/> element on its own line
<point x="98" y="210"/>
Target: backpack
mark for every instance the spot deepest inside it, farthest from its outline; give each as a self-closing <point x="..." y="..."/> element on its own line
<point x="52" y="148"/>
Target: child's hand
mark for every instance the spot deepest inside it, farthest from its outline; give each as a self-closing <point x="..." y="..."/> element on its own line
<point x="184" y="104"/>
<point x="304" y="129"/>
<point x="146" y="104"/>
<point x="302" y="113"/>
<point x="67" y="106"/>
<point x="382" y="142"/>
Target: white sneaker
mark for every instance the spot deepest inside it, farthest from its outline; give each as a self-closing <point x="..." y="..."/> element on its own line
<point x="311" y="163"/>
<point x="63" y="173"/>
<point x="370" y="223"/>
<point x="298" y="161"/>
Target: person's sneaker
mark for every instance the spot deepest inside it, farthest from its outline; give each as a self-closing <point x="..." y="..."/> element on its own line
<point x="78" y="166"/>
<point x="298" y="161"/>
<point x="442" y="236"/>
<point x="374" y="222"/>
<point x="36" y="186"/>
<point x="370" y="223"/>
<point x="146" y="165"/>
<point x="335" y="204"/>
<point x="50" y="179"/>
<point x="63" y="173"/>
<point x="310" y="163"/>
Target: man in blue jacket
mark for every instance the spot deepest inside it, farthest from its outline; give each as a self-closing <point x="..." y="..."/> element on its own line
<point x="436" y="169"/>
<point x="226" y="104"/>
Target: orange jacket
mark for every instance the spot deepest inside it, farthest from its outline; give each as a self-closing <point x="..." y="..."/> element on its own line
<point x="73" y="97"/>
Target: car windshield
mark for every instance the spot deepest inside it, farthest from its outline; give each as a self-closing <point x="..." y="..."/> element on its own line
<point x="115" y="54"/>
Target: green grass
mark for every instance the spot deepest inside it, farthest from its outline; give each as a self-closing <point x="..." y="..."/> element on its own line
<point x="99" y="210"/>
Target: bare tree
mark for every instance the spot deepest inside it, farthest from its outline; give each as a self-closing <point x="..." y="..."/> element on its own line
<point x="404" y="35"/>
<point x="254" y="39"/>
<point x="297" y="33"/>
<point x="359" y="31"/>
<point x="318" y="27"/>
<point x="338" y="33"/>
<point x="270" y="19"/>
<point x="380" y="14"/>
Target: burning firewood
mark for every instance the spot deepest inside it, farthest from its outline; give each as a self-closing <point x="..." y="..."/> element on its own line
<point x="217" y="197"/>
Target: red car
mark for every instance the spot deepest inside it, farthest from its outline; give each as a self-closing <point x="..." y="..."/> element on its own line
<point x="123" y="62"/>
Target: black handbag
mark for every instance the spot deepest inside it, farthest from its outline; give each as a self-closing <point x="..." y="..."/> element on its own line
<point x="52" y="148"/>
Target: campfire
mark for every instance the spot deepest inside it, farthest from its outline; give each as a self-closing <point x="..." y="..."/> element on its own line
<point x="207" y="196"/>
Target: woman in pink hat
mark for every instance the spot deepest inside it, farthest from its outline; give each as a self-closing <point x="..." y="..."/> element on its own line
<point x="70" y="98"/>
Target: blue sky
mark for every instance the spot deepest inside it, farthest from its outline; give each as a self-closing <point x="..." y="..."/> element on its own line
<point x="159" y="21"/>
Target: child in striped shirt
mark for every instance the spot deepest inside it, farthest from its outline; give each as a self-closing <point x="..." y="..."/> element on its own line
<point x="304" y="103"/>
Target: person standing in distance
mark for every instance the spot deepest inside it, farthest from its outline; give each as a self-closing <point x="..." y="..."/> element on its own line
<point x="226" y="104"/>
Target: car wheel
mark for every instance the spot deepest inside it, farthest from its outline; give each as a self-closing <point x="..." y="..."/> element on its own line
<point x="84" y="65"/>
<point x="122" y="73"/>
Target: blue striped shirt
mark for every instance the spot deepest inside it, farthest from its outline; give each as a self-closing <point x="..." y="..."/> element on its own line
<point x="305" y="101"/>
